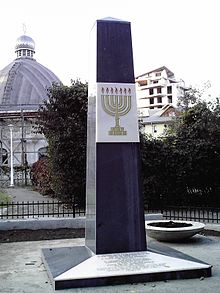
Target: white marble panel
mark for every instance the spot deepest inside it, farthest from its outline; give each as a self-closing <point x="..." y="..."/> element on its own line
<point x="116" y="104"/>
<point x="122" y="264"/>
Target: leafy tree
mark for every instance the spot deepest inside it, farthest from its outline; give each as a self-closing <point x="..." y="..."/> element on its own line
<point x="197" y="139"/>
<point x="192" y="96"/>
<point x="184" y="167"/>
<point x="63" y="119"/>
<point x="151" y="172"/>
<point x="162" y="183"/>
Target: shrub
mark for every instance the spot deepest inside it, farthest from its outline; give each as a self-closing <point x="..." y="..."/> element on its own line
<point x="41" y="176"/>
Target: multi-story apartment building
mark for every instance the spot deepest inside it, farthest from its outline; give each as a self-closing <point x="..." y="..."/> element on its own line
<point x="156" y="90"/>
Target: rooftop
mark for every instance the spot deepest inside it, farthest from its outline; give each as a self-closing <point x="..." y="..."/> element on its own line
<point x="169" y="72"/>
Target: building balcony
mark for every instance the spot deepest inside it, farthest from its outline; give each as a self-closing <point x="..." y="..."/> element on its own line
<point x="151" y="85"/>
<point x="156" y="95"/>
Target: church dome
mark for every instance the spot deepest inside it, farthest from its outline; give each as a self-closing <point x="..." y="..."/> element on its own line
<point x="24" y="82"/>
<point x="25" y="42"/>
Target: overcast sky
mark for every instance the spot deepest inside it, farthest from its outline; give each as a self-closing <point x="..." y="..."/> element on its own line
<point x="180" y="34"/>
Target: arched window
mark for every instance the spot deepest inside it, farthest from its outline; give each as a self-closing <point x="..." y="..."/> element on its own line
<point x="42" y="152"/>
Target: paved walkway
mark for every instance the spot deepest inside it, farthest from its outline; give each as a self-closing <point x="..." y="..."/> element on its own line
<point x="38" y="206"/>
<point x="26" y="194"/>
<point x="22" y="270"/>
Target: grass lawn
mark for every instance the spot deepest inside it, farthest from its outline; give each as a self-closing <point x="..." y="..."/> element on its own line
<point x="4" y="197"/>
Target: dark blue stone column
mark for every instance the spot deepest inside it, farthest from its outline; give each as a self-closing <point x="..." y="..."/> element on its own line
<point x="115" y="215"/>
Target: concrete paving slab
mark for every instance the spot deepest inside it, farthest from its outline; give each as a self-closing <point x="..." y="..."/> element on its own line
<point x="22" y="270"/>
<point x="212" y="227"/>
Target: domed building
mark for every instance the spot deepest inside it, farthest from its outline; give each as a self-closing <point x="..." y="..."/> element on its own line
<point x="23" y="88"/>
<point x="23" y="82"/>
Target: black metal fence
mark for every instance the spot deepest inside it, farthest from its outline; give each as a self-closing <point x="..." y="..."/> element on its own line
<point x="200" y="214"/>
<point x="23" y="210"/>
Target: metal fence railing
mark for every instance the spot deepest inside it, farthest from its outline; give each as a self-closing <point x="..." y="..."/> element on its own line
<point x="36" y="209"/>
<point x="23" y="210"/>
<point x="201" y="214"/>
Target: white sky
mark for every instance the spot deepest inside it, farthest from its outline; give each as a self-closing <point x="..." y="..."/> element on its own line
<point x="183" y="35"/>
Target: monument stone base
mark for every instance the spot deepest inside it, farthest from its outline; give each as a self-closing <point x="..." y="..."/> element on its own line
<point x="72" y="267"/>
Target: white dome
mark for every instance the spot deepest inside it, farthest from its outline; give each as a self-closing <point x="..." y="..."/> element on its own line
<point x="24" y="42"/>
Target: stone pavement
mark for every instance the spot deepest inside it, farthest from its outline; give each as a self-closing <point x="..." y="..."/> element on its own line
<point x="22" y="270"/>
<point x="212" y="227"/>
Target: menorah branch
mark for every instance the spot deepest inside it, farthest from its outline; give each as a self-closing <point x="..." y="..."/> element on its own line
<point x="116" y="105"/>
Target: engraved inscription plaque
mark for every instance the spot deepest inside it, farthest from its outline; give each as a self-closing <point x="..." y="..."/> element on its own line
<point x="122" y="264"/>
<point x="129" y="262"/>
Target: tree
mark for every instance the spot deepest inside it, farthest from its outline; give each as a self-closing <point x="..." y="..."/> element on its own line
<point x="63" y="119"/>
<point x="192" y="96"/>
<point x="184" y="167"/>
<point x="197" y="140"/>
<point x="160" y="176"/>
<point x="151" y="172"/>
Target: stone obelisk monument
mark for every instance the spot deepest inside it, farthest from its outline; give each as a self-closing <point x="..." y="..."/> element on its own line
<point x="115" y="245"/>
<point x="115" y="216"/>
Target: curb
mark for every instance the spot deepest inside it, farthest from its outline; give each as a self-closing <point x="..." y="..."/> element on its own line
<point x="53" y="223"/>
<point x="42" y="223"/>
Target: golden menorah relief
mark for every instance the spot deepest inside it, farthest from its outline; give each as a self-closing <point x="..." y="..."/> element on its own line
<point x="116" y="102"/>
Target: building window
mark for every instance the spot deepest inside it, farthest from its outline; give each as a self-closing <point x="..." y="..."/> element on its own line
<point x="4" y="156"/>
<point x="159" y="100"/>
<point x="165" y="129"/>
<point x="169" y="89"/>
<point x="169" y="99"/>
<point x="42" y="152"/>
<point x="142" y="82"/>
<point x="159" y="91"/>
<point x="155" y="81"/>
<point x="158" y="73"/>
<point x="151" y="91"/>
<point x="151" y="101"/>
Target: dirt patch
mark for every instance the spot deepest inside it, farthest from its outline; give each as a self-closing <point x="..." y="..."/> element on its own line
<point x="41" y="234"/>
<point x="44" y="234"/>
